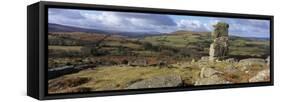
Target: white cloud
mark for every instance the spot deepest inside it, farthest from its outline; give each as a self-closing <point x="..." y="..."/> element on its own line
<point x="128" y="22"/>
<point x="145" y="22"/>
<point x="192" y="25"/>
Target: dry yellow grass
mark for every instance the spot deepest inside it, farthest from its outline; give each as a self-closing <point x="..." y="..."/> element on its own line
<point x="120" y="77"/>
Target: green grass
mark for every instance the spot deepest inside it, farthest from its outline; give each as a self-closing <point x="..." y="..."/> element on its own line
<point x="172" y="40"/>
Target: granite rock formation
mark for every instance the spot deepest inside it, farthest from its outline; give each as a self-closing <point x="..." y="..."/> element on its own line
<point x="219" y="47"/>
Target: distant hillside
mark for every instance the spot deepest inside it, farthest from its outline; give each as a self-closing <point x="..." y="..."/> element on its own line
<point x="183" y="32"/>
<point x="64" y="28"/>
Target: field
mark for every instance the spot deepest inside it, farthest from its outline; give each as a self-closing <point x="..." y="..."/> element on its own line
<point x="114" y="62"/>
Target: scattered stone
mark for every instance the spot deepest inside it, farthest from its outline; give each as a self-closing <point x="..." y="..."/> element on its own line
<point x="208" y="72"/>
<point x="262" y="76"/>
<point x="158" y="82"/>
<point x="231" y="60"/>
<point x="204" y="58"/>
<point x="268" y="60"/>
<point x="138" y="62"/>
<point x="215" y="79"/>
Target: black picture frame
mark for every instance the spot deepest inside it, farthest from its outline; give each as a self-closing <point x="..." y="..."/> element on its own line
<point x="37" y="53"/>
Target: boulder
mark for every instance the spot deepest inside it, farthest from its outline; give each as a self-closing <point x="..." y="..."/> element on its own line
<point x="215" y="79"/>
<point x="268" y="60"/>
<point x="158" y="82"/>
<point x="261" y="76"/>
<point x="204" y="58"/>
<point x="252" y="61"/>
<point x="246" y="64"/>
<point x="231" y="60"/>
<point x="208" y="72"/>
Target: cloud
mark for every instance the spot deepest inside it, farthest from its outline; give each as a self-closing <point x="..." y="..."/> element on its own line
<point x="145" y="22"/>
<point x="68" y="13"/>
<point x="131" y="22"/>
<point x="193" y="25"/>
<point x="244" y="27"/>
<point x="250" y="27"/>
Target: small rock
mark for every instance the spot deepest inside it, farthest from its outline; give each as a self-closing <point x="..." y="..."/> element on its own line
<point x="230" y="60"/>
<point x="268" y="60"/>
<point x="204" y="58"/>
<point x="138" y="62"/>
<point x="262" y="76"/>
<point x="193" y="61"/>
<point x="158" y="82"/>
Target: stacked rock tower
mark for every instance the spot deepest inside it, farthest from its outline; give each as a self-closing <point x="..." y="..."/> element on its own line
<point x="219" y="47"/>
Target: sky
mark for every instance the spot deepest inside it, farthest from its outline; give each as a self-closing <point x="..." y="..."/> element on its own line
<point x="160" y="23"/>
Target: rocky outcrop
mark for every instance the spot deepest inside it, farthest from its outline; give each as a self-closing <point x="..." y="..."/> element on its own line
<point x="247" y="63"/>
<point x="158" y="82"/>
<point x="208" y="72"/>
<point x="219" y="47"/>
<point x="261" y="76"/>
<point x="213" y="80"/>
<point x="252" y="61"/>
<point x="210" y="76"/>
